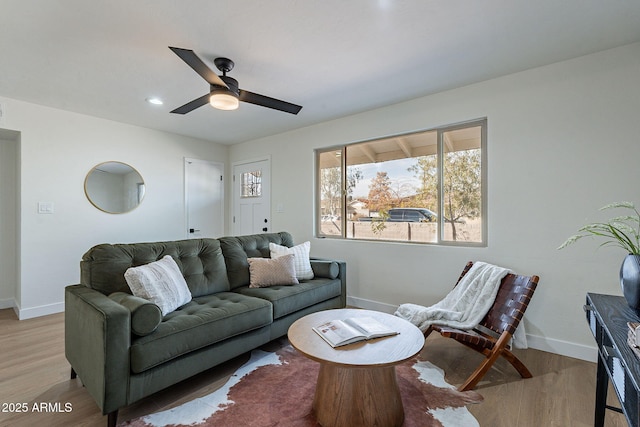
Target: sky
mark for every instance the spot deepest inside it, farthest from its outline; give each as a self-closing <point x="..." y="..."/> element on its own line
<point x="397" y="172"/>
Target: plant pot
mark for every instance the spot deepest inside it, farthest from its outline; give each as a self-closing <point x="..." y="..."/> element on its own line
<point x="630" y="280"/>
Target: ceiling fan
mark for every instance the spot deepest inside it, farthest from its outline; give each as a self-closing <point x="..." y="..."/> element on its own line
<point x="225" y="93"/>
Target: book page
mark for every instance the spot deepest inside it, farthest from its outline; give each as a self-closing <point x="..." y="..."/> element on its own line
<point x="592" y="322"/>
<point x="618" y="377"/>
<point x="370" y="327"/>
<point x="337" y="332"/>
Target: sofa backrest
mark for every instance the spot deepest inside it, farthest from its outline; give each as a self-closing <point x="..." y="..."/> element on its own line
<point x="237" y="249"/>
<point x="200" y="261"/>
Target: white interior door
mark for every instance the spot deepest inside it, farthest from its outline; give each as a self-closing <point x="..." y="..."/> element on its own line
<point x="252" y="197"/>
<point x="204" y="198"/>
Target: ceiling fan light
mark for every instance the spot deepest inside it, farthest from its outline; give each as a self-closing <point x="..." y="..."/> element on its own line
<point x="224" y="100"/>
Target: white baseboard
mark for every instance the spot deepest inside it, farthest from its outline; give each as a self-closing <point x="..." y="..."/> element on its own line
<point x="371" y="305"/>
<point x="563" y="348"/>
<point x="42" y="310"/>
<point x="7" y="303"/>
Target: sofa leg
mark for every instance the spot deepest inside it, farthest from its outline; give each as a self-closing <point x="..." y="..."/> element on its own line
<point x="73" y="374"/>
<point x="112" y="418"/>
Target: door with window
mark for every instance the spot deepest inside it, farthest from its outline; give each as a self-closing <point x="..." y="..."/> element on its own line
<point x="252" y="197"/>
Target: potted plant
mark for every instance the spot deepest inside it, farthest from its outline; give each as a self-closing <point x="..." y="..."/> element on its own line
<point x="622" y="231"/>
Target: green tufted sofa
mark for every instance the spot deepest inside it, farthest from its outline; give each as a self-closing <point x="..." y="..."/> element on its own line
<point x="121" y="347"/>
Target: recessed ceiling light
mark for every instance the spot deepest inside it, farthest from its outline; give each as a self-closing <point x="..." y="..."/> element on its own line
<point x="155" y="101"/>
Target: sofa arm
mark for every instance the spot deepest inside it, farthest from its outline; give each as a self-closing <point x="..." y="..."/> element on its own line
<point x="97" y="341"/>
<point x="324" y="266"/>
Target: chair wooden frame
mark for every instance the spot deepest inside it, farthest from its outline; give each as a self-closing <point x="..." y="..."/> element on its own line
<point x="493" y="335"/>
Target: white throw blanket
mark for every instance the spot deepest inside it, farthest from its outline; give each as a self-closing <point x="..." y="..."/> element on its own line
<point x="467" y="303"/>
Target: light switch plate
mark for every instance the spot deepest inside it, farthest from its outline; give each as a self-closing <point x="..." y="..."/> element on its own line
<point x="45" y="207"/>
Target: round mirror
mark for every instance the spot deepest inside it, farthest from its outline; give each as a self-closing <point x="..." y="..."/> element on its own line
<point x="114" y="187"/>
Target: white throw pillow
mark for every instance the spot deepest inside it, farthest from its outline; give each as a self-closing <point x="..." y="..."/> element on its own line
<point x="301" y="253"/>
<point x="265" y="272"/>
<point x="160" y="282"/>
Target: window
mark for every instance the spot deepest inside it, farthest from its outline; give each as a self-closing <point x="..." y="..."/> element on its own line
<point x="251" y="184"/>
<point x="425" y="187"/>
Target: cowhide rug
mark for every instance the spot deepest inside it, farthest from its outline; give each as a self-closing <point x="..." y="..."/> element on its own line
<point x="276" y="389"/>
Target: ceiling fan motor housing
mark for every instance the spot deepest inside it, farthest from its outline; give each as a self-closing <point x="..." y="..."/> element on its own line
<point x="231" y="83"/>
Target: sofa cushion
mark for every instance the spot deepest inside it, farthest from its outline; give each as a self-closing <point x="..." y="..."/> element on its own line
<point x="145" y="315"/>
<point x="160" y="282"/>
<point x="202" y="322"/>
<point x="289" y="299"/>
<point x="272" y="271"/>
<point x="301" y="253"/>
<point x="200" y="261"/>
<point x="237" y="249"/>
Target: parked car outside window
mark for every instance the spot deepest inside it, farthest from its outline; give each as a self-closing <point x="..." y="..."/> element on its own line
<point x="412" y="215"/>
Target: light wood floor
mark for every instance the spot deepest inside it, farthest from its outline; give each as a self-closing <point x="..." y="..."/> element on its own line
<point x="33" y="370"/>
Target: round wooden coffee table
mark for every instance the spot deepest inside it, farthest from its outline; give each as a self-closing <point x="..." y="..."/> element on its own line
<point x="357" y="382"/>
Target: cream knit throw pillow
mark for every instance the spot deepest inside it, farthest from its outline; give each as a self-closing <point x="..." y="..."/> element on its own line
<point x="160" y="282"/>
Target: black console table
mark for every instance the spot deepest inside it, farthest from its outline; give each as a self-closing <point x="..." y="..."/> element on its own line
<point x="608" y="316"/>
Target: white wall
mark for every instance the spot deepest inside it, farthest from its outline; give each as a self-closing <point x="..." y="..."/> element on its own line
<point x="58" y="149"/>
<point x="563" y="140"/>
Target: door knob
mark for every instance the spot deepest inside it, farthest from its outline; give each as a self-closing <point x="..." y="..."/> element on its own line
<point x="264" y="229"/>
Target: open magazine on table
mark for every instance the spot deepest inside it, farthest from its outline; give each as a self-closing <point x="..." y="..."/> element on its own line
<point x="342" y="332"/>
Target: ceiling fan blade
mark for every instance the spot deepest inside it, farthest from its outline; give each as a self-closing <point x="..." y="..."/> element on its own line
<point x="192" y="60"/>
<point x="190" y="106"/>
<point x="265" y="101"/>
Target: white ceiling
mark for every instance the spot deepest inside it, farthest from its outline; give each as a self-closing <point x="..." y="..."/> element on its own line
<point x="333" y="57"/>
